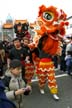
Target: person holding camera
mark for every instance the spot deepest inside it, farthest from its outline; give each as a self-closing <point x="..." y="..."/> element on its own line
<point x="14" y="84"/>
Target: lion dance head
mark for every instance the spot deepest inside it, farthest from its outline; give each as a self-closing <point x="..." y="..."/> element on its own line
<point x="52" y="22"/>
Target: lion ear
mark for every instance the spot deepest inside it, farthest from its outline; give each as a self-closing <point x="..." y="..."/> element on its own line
<point x="42" y="8"/>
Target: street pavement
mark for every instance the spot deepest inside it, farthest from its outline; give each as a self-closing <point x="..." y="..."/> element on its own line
<point x="37" y="100"/>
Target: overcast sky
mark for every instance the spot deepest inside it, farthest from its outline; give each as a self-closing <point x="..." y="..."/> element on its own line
<point x="28" y="9"/>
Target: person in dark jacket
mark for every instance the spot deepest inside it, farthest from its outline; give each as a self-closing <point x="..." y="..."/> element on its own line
<point x="62" y="58"/>
<point x="4" y="101"/>
<point x="19" y="53"/>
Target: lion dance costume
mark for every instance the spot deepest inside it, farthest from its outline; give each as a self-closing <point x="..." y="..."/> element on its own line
<point x="50" y="29"/>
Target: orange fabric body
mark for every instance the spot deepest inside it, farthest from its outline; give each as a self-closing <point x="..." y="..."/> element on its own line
<point x="50" y="46"/>
<point x="45" y="73"/>
<point x="29" y="72"/>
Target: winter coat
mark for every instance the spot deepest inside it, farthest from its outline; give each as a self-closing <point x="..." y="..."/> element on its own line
<point x="12" y="84"/>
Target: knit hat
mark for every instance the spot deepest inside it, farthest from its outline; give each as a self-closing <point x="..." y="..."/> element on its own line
<point x="15" y="63"/>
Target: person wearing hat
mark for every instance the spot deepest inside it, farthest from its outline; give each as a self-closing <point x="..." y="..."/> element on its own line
<point x="15" y="85"/>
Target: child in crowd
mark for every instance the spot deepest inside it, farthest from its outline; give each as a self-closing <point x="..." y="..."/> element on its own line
<point x="15" y="85"/>
<point x="29" y="66"/>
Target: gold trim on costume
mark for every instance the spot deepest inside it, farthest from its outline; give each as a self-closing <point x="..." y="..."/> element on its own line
<point x="46" y="63"/>
<point x="45" y="69"/>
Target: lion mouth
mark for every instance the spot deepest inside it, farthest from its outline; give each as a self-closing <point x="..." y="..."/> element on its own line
<point x="56" y="35"/>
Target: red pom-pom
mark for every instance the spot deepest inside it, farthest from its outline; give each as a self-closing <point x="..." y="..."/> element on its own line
<point x="66" y="23"/>
<point x="62" y="23"/>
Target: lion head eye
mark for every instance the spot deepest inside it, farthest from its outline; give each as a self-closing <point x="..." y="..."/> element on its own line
<point x="48" y="16"/>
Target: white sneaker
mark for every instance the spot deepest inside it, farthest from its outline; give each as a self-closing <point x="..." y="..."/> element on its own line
<point x="55" y="97"/>
<point x="42" y="91"/>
